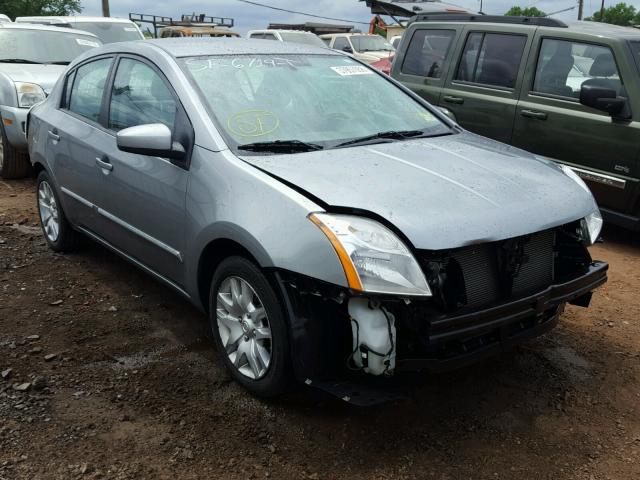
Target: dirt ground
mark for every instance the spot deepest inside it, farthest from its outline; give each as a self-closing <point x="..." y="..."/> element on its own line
<point x="124" y="385"/>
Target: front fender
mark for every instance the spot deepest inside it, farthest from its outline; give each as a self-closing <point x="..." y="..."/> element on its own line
<point x="8" y="95"/>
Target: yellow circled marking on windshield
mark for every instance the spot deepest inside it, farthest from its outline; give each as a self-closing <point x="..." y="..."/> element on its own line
<point x="253" y="123"/>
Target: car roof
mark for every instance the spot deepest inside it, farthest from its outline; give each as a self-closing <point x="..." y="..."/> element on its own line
<point x="74" y="18"/>
<point x="281" y="30"/>
<point x="187" y="47"/>
<point x="350" y="34"/>
<point x="50" y="28"/>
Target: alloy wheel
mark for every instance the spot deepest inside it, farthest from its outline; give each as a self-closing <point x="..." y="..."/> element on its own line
<point x="1" y="152"/>
<point x="244" y="327"/>
<point x="48" y="208"/>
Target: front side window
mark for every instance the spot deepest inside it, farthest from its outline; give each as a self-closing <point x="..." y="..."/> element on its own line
<point x="427" y="52"/>
<point x="19" y="45"/>
<point x="492" y="59"/>
<point x="139" y="97"/>
<point x="88" y="88"/>
<point x="635" y="47"/>
<point x="321" y="99"/>
<point x="341" y="43"/>
<point x="371" y="43"/>
<point x="110" y="32"/>
<point x="564" y="66"/>
<point x="269" y="36"/>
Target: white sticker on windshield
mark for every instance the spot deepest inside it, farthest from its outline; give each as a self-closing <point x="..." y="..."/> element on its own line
<point x="345" y="71"/>
<point x="87" y="43"/>
<point x="130" y="29"/>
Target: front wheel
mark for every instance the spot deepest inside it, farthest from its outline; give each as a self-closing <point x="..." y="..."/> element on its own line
<point x="249" y="328"/>
<point x="13" y="163"/>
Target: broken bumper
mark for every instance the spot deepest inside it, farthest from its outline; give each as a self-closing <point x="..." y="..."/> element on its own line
<point x="455" y="341"/>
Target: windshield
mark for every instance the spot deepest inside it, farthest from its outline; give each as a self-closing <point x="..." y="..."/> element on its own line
<point x="42" y="46"/>
<point x="306" y="38"/>
<point x="635" y="46"/>
<point x="371" y="43"/>
<point x="110" y="32"/>
<point x="321" y="99"/>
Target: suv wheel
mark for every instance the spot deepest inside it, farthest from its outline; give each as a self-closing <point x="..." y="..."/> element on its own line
<point x="249" y="328"/>
<point x="13" y="163"/>
<point x="58" y="233"/>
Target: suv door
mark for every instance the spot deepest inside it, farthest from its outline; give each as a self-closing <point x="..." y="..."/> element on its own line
<point x="552" y="122"/>
<point x="142" y="198"/>
<point x="424" y="63"/>
<point x="76" y="138"/>
<point x="483" y="88"/>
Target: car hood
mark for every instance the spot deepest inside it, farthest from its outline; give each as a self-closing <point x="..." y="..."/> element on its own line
<point x="443" y="192"/>
<point x="44" y="75"/>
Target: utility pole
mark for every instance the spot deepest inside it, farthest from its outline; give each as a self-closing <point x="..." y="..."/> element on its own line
<point x="580" y="9"/>
<point x="602" y="12"/>
<point x="481" y="7"/>
<point x="105" y="8"/>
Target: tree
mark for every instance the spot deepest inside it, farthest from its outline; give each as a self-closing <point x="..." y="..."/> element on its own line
<point x="28" y="8"/>
<point x="525" y="12"/>
<point x="620" y="14"/>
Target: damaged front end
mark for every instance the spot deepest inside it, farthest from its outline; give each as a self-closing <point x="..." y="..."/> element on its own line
<point x="483" y="299"/>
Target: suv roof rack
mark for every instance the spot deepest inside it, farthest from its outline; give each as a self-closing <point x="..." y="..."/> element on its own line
<point x="189" y="20"/>
<point x="465" y="17"/>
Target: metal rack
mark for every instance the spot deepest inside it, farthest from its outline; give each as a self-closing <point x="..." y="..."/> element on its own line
<point x="192" y="20"/>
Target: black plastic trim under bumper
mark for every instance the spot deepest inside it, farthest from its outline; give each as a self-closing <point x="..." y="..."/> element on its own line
<point x="544" y="307"/>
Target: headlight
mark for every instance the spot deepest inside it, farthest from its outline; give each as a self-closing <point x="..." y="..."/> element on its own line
<point x="592" y="226"/>
<point x="29" y="94"/>
<point x="374" y="259"/>
<point x="568" y="171"/>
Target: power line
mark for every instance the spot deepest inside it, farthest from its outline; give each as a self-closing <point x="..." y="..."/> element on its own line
<point x="302" y="13"/>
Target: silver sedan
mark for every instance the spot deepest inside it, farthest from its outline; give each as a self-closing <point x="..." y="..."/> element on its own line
<point x="330" y="223"/>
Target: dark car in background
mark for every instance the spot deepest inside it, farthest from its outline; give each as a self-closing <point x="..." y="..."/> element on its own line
<point x="570" y="92"/>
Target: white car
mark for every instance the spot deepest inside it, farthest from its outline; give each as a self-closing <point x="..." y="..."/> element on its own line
<point x="366" y="47"/>
<point x="4" y="18"/>
<point x="107" y="29"/>
<point x="294" y="36"/>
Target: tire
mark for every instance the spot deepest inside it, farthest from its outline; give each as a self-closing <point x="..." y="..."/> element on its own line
<point x="63" y="238"/>
<point x="260" y="380"/>
<point x="13" y="163"/>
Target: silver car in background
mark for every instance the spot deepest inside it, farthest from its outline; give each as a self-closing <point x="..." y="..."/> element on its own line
<point x="107" y="29"/>
<point x="32" y="58"/>
<point x="325" y="237"/>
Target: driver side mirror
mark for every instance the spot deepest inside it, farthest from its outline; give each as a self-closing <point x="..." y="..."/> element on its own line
<point x="154" y="139"/>
<point x="603" y="99"/>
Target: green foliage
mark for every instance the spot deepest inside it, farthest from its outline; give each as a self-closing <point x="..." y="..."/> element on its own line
<point x="24" y="8"/>
<point x="620" y="14"/>
<point x="525" y="12"/>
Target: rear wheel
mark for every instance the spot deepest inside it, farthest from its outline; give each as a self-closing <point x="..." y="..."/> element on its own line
<point x="58" y="233"/>
<point x="249" y="328"/>
<point x="13" y="163"/>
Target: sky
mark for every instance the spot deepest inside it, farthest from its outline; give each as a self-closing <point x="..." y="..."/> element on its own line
<point x="249" y="17"/>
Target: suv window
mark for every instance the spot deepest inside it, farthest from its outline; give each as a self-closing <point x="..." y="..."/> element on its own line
<point x="340" y="43"/>
<point x="491" y="59"/>
<point x="88" y="88"/>
<point x="564" y="66"/>
<point x="427" y="51"/>
<point x="140" y="96"/>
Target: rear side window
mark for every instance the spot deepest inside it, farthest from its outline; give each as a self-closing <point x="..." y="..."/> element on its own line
<point x="491" y="59"/>
<point x="140" y="96"/>
<point x="427" y="52"/>
<point x="564" y="66"/>
<point x="88" y="88"/>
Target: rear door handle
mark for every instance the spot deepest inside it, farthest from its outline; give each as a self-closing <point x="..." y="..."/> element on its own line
<point x="104" y="163"/>
<point x="451" y="99"/>
<point x="53" y="135"/>
<point x="534" y="114"/>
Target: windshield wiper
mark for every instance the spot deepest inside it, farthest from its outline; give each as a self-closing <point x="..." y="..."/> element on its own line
<point x="281" y="146"/>
<point x="18" y="60"/>
<point x="61" y="62"/>
<point x="390" y="135"/>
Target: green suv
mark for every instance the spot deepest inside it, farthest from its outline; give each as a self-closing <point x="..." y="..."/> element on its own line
<point x="570" y="92"/>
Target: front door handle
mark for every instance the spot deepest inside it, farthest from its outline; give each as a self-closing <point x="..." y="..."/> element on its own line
<point x="451" y="99"/>
<point x="104" y="163"/>
<point x="534" y="114"/>
<point x="53" y="135"/>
